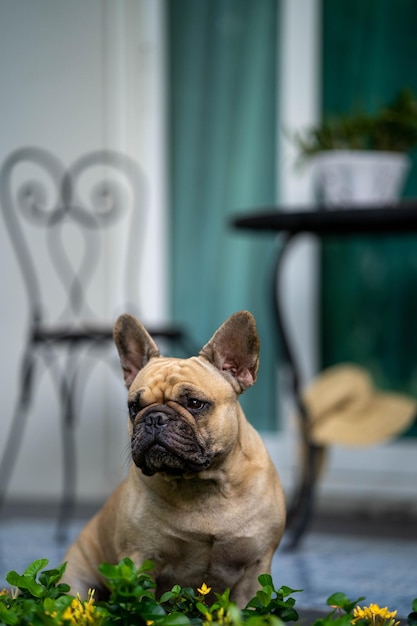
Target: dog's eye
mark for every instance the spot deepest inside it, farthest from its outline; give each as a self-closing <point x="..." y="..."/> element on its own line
<point x="133" y="409"/>
<point x="194" y="404"/>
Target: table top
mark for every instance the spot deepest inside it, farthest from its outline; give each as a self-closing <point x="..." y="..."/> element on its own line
<point x="395" y="219"/>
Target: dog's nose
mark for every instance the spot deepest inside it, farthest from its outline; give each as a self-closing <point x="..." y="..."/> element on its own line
<point x="155" y="421"/>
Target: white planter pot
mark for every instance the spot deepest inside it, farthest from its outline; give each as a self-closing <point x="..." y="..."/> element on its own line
<point x="349" y="177"/>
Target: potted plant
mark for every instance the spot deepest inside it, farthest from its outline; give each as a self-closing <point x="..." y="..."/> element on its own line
<point x="361" y="157"/>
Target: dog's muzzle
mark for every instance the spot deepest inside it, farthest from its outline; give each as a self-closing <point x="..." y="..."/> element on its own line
<point x="163" y="441"/>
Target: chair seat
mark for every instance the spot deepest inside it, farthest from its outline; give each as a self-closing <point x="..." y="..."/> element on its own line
<point x="93" y="332"/>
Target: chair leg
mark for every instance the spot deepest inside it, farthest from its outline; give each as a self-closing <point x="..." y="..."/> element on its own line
<point x="17" y="426"/>
<point x="69" y="457"/>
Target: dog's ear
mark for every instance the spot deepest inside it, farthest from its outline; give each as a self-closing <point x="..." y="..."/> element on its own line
<point x="134" y="345"/>
<point x="234" y="348"/>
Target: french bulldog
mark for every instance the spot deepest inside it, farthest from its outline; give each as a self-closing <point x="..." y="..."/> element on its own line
<point x="202" y="498"/>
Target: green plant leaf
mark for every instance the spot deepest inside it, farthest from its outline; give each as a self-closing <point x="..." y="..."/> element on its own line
<point x="167" y="596"/>
<point x="176" y="619"/>
<point x="8" y="616"/>
<point x="25" y="583"/>
<point x="341" y="601"/>
<point x="287" y="591"/>
<point x="412" y="619"/>
<point x="108" y="570"/>
<point x="35" y="567"/>
<point x="261" y="620"/>
<point x="265" y="595"/>
<point x="265" y="580"/>
<point x="149" y="609"/>
<point x="288" y="614"/>
<point x="338" y="599"/>
<point x="204" y="610"/>
<point x="60" y="603"/>
<point x="49" y="578"/>
<point x="147" y="566"/>
<point x="254" y="603"/>
<point x="126" y="569"/>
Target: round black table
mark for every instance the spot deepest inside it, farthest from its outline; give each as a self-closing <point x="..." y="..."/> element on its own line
<point x="400" y="218"/>
<point x="345" y="221"/>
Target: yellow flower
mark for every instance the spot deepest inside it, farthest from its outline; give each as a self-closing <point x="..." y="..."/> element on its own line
<point x="82" y="613"/>
<point x="12" y="592"/>
<point x="204" y="590"/>
<point x="375" y="615"/>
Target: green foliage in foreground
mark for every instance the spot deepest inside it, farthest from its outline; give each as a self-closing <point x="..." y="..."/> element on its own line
<point x="38" y="598"/>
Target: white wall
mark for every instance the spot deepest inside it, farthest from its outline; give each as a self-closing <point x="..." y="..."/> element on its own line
<point x="78" y="76"/>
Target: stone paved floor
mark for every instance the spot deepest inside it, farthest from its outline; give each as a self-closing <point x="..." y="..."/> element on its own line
<point x="381" y="568"/>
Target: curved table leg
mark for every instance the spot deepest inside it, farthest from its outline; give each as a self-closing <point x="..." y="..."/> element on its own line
<point x="301" y="509"/>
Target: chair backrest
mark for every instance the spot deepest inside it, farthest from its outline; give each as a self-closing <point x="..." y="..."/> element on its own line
<point x="77" y="232"/>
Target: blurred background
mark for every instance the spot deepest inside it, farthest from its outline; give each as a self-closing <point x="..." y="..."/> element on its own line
<point x="205" y="95"/>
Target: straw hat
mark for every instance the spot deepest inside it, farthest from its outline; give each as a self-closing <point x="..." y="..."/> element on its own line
<point x="346" y="409"/>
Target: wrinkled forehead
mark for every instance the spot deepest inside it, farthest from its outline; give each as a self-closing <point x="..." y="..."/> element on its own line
<point x="167" y="376"/>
